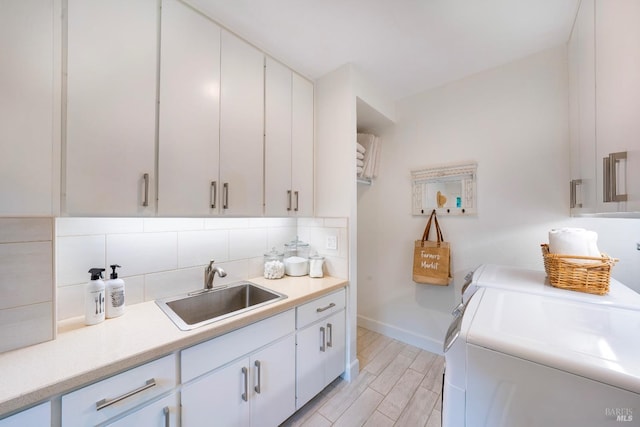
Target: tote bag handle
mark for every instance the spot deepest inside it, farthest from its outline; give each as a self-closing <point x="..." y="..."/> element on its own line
<point x="425" y="235"/>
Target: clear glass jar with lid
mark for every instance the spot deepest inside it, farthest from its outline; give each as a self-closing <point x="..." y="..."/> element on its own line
<point x="274" y="264"/>
<point x="296" y="248"/>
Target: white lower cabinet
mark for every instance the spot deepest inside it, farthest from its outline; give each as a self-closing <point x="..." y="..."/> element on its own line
<point x="321" y="345"/>
<point x="244" y="378"/>
<point x="37" y="416"/>
<point x="254" y="391"/>
<point x="162" y="413"/>
<point x="129" y="391"/>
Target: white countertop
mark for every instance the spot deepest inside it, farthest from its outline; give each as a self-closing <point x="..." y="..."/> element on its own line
<point x="83" y="354"/>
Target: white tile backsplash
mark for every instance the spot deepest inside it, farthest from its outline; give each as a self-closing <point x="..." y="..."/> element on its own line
<point x="76" y="255"/>
<point x="142" y="253"/>
<point x="163" y="257"/>
<point x="199" y="247"/>
<point x="247" y="243"/>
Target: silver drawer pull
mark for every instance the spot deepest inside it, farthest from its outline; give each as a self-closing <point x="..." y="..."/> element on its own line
<point x="330" y="333"/>
<point x="323" y="340"/>
<point x="259" y="373"/>
<point x="321" y="309"/>
<point x="214" y="194"/>
<point x="108" y="402"/>
<point x="145" y="178"/>
<point x="245" y="375"/>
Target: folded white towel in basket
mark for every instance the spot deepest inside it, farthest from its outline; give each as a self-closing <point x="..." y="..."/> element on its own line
<point x="573" y="241"/>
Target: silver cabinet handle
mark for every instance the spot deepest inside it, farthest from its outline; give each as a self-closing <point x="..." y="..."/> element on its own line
<point x="323" y="346"/>
<point x="614" y="161"/>
<point x="259" y="373"/>
<point x="245" y="374"/>
<point x="321" y="309"/>
<point x="289" y="200"/>
<point x="167" y="416"/>
<point x="573" y="191"/>
<point x="145" y="202"/>
<point x="213" y="194"/>
<point x="330" y="333"/>
<point x="606" y="180"/>
<point x="225" y="195"/>
<point x="108" y="402"/>
<point x="297" y="199"/>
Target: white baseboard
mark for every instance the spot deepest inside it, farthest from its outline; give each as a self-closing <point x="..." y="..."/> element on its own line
<point x="407" y="337"/>
<point x="353" y="369"/>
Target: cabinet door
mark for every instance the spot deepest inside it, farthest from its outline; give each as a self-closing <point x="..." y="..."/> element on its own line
<point x="336" y="347"/>
<point x="310" y="360"/>
<point x="111" y="107"/>
<point x="26" y="107"/>
<point x="582" y="103"/>
<point x="273" y="397"/>
<point x="278" y="190"/>
<point x="220" y="397"/>
<point x="302" y="166"/>
<point x="241" y="127"/>
<point x="37" y="416"/>
<point x="188" y="153"/>
<point x="163" y="413"/>
<point x="618" y="96"/>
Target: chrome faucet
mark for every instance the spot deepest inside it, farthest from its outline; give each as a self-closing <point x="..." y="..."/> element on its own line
<point x="211" y="271"/>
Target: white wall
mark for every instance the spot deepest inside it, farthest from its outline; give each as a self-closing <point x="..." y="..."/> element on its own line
<point x="162" y="257"/>
<point x="512" y="120"/>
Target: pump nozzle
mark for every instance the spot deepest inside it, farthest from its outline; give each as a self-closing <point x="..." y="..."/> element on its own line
<point x="96" y="273"/>
<point x="114" y="275"/>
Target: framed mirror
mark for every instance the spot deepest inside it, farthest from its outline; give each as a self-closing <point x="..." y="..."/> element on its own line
<point x="449" y="189"/>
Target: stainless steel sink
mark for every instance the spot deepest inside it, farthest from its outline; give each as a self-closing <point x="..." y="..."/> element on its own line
<point x="204" y="307"/>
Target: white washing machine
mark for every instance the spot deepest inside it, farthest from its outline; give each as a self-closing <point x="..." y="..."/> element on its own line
<point x="530" y="360"/>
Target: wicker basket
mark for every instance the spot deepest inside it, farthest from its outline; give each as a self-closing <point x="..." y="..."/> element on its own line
<point x="571" y="272"/>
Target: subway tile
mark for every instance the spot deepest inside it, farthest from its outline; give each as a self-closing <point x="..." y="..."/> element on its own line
<point x="336" y="222"/>
<point x="153" y="225"/>
<point x="70" y="301"/>
<point x="26" y="325"/>
<point x="225" y="223"/>
<point x="336" y="267"/>
<point x="75" y="255"/>
<point x="172" y="283"/>
<point x="247" y="243"/>
<point x="255" y="267"/>
<point x="133" y="290"/>
<point x="277" y="237"/>
<point x="272" y="222"/>
<point x="310" y="222"/>
<point x="143" y="253"/>
<point x="91" y="226"/>
<point x="236" y="271"/>
<point x="199" y="247"/>
<point x="26" y="273"/>
<point x="13" y="230"/>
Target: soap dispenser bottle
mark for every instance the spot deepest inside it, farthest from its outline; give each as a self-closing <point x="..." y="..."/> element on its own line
<point x="115" y="294"/>
<point x="94" y="298"/>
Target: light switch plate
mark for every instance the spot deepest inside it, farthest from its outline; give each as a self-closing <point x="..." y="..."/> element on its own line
<point x="332" y="242"/>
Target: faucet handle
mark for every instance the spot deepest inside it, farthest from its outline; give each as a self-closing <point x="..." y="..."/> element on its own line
<point x="210" y="265"/>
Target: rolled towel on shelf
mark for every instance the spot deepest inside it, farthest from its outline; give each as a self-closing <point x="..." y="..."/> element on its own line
<point x="360" y="163"/>
<point x="359" y="155"/>
<point x="359" y="170"/>
<point x="574" y="241"/>
<point x="360" y="148"/>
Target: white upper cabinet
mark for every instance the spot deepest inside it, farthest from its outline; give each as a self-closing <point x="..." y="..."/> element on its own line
<point x="288" y="142"/>
<point x="604" y="90"/>
<point x="26" y="107"/>
<point x="617" y="53"/>
<point x="241" y="127"/>
<point x="582" y="110"/>
<point x="189" y="125"/>
<point x="112" y="63"/>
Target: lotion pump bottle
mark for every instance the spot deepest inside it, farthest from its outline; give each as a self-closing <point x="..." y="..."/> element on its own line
<point x="115" y="294"/>
<point x="94" y="298"/>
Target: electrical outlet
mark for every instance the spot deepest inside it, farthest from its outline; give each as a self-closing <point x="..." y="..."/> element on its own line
<point x="332" y="243"/>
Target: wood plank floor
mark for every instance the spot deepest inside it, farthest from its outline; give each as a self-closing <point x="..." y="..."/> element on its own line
<point x="398" y="385"/>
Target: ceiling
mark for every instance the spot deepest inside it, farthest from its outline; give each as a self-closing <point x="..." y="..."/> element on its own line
<point x="402" y="46"/>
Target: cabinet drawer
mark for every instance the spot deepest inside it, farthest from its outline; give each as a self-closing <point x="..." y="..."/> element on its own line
<point x="320" y="308"/>
<point x="118" y="393"/>
<point x="211" y="354"/>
